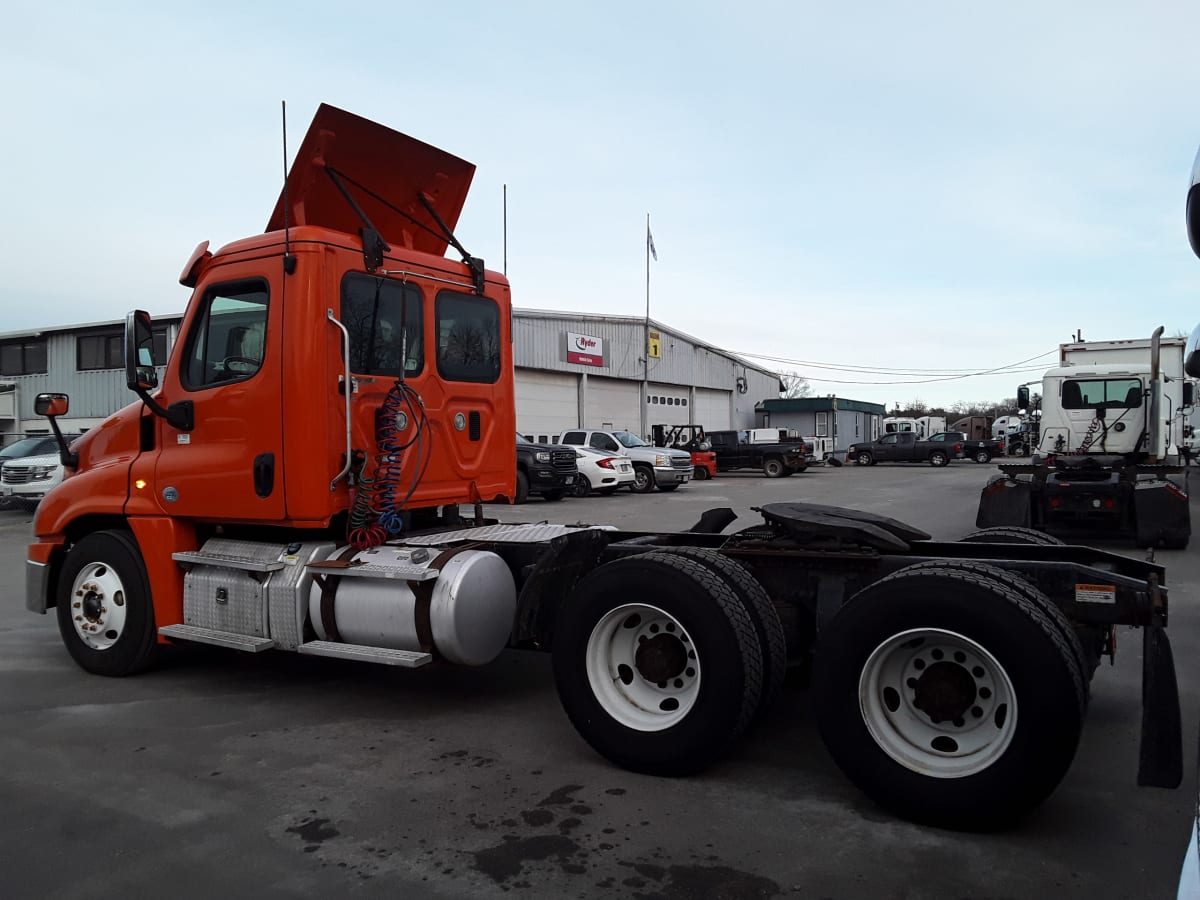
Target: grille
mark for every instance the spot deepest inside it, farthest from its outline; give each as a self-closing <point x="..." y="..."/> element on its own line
<point x="16" y="474"/>
<point x="681" y="462"/>
<point x="563" y="459"/>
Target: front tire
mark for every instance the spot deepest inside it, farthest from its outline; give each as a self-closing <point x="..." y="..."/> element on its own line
<point x="582" y="487"/>
<point x="643" y="479"/>
<point x="864" y="459"/>
<point x="701" y="474"/>
<point x="522" y="488"/>
<point x="657" y="663"/>
<point x="104" y="609"/>
<point x="949" y="698"/>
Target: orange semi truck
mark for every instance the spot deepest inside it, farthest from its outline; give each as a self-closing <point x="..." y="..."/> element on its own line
<point x="340" y="390"/>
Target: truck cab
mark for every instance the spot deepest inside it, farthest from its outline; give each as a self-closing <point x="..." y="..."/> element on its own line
<point x="1103" y="410"/>
<point x="335" y="375"/>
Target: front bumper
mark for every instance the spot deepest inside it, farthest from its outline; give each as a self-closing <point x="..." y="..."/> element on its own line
<point x="671" y="475"/>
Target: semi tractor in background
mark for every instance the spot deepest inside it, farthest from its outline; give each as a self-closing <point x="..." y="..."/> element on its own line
<point x="1106" y="460"/>
<point x="310" y="476"/>
<point x="1178" y="388"/>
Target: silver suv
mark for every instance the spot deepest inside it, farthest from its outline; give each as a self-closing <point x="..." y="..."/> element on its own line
<point x="659" y="467"/>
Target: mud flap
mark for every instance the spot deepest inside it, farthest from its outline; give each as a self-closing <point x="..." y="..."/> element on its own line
<point x="1004" y="501"/>
<point x="1161" y="514"/>
<point x="1160" y="757"/>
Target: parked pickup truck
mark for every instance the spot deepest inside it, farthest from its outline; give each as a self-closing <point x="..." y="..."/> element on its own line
<point x="659" y="467"/>
<point x="903" y="446"/>
<point x="979" y="449"/>
<point x="735" y="450"/>
<point x="546" y="469"/>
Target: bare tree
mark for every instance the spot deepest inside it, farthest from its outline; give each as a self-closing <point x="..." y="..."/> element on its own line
<point x="794" y="385"/>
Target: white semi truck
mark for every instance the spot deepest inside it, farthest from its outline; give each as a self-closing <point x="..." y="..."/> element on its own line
<point x="1105" y="461"/>
<point x="1178" y="388"/>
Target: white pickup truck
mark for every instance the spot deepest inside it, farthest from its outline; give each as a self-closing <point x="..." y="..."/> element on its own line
<point x="25" y="480"/>
<point x="661" y="467"/>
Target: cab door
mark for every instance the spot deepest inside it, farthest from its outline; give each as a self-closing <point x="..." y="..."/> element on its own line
<point x="228" y="364"/>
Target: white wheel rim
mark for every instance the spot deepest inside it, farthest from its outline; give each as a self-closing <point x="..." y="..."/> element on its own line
<point x="620" y="676"/>
<point x="937" y="703"/>
<point x="98" y="606"/>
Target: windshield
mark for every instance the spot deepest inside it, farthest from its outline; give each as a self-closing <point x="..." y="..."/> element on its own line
<point x="33" y="446"/>
<point x="629" y="440"/>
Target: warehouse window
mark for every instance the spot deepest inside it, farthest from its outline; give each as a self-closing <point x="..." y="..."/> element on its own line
<point x="26" y="357"/>
<point x="106" y="350"/>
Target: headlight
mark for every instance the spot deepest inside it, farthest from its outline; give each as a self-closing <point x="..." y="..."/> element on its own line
<point x="662" y="460"/>
<point x="40" y="473"/>
<point x="542" y="456"/>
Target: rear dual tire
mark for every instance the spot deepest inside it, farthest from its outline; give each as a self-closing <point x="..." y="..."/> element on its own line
<point x="658" y="662"/>
<point x="949" y="697"/>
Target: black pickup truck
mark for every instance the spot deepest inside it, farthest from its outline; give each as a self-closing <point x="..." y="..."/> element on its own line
<point x="903" y="446"/>
<point x="978" y="449"/>
<point x="546" y="469"/>
<point x="735" y="451"/>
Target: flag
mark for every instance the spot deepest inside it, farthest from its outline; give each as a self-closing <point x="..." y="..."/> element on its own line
<point x="650" y="242"/>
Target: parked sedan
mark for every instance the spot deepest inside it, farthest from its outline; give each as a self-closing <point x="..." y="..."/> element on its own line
<point x="601" y="471"/>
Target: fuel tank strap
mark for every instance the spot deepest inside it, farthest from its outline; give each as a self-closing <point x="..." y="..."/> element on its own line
<point x="423" y="594"/>
<point x="329" y="585"/>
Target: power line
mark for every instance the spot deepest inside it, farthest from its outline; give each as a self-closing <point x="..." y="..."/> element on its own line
<point x="893" y="370"/>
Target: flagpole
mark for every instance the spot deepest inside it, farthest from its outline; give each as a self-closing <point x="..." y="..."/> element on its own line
<point x="646" y="342"/>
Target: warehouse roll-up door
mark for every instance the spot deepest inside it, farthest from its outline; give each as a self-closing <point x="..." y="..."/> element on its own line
<point x="547" y="402"/>
<point x="712" y="409"/>
<point x="612" y="403"/>
<point x="667" y="404"/>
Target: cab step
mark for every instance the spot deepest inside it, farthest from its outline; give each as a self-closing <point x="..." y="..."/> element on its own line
<point x="408" y="659"/>
<point x="246" y="642"/>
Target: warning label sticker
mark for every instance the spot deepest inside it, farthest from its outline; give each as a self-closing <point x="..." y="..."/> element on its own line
<point x="1095" y="593"/>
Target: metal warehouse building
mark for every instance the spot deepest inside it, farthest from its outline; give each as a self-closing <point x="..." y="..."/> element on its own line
<point x="572" y="371"/>
<point x="580" y="371"/>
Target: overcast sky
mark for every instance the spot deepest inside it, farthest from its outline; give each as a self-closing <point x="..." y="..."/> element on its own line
<point x="880" y="186"/>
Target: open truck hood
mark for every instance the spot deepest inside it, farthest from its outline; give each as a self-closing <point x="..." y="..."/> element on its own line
<point x="384" y="171"/>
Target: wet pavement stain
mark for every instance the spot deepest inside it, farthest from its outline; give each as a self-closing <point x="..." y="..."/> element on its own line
<point x="536" y="818"/>
<point x="703" y="883"/>
<point x="562" y="796"/>
<point x="507" y="860"/>
<point x="313" y="832"/>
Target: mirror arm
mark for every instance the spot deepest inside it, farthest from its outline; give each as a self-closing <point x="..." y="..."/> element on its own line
<point x="179" y="415"/>
<point x="65" y="456"/>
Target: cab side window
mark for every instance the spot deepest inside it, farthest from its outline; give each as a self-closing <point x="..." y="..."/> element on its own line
<point x="604" y="442"/>
<point x="228" y="339"/>
<point x="468" y="338"/>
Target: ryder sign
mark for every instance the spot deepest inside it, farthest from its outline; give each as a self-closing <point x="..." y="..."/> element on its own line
<point x="585" y="349"/>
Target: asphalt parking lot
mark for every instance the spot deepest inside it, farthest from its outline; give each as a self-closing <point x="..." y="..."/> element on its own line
<point x="222" y="774"/>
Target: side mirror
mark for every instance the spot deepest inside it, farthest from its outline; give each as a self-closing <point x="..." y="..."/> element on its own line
<point x="140" y="374"/>
<point x="1192" y="354"/>
<point x="1189" y="393"/>
<point x="1022" y="398"/>
<point x="51" y="404"/>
